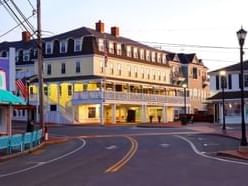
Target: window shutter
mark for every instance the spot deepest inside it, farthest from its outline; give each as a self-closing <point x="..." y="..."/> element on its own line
<point x="217" y="82"/>
<point x="230" y="81"/>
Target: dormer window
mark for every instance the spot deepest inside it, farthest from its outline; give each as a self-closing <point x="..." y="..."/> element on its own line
<point x="153" y="57"/>
<point x="77" y="45"/>
<point x="135" y="53"/>
<point x="101" y="45"/>
<point x="49" y="47"/>
<point x="159" y="58"/>
<point x="26" y="55"/>
<point x="63" y="46"/>
<point x="164" y="59"/>
<point x="111" y="47"/>
<point x="118" y="49"/>
<point x="129" y="53"/>
<point x="147" y="55"/>
<point x="141" y="52"/>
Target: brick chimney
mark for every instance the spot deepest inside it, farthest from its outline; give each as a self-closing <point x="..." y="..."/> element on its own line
<point x="100" y="26"/>
<point x="115" y="31"/>
<point x="26" y="36"/>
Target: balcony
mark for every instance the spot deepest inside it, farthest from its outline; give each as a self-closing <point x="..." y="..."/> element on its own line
<point x="177" y="78"/>
<point x="126" y="98"/>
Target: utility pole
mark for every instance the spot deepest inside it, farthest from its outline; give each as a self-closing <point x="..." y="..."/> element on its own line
<point x="40" y="67"/>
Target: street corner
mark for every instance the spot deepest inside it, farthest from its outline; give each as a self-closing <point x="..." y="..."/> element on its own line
<point x="236" y="154"/>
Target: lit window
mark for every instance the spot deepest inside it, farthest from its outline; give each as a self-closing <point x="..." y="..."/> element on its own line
<point x="91" y="112"/>
<point x="101" y="66"/>
<point x="78" y="68"/>
<point x="143" y="74"/>
<point x="118" y="49"/>
<point x="159" y="76"/>
<point x="101" y="45"/>
<point x="129" y="53"/>
<point x="49" y="47"/>
<point x="63" y="46"/>
<point x="135" y="53"/>
<point x="142" y="54"/>
<point x="153" y="75"/>
<point x="77" y="45"/>
<point x="46" y="91"/>
<point x="112" y="68"/>
<point x="148" y="74"/>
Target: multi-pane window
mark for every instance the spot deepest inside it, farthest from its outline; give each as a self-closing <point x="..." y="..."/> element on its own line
<point x="135" y="52"/>
<point x="78" y="68"/>
<point x="141" y="52"/>
<point x="142" y="73"/>
<point x="159" y="76"/>
<point x="60" y="90"/>
<point x="148" y="74"/>
<point x="63" y="70"/>
<point x="91" y="112"/>
<point x="159" y="58"/>
<point x="147" y="55"/>
<point x="246" y="80"/>
<point x="153" y="75"/>
<point x="46" y="91"/>
<point x="101" y="45"/>
<point x="111" y="47"/>
<point x="63" y="48"/>
<point x="164" y="75"/>
<point x="77" y="45"/>
<point x="48" y="48"/>
<point x="69" y="89"/>
<point x="129" y="51"/>
<point x="26" y="55"/>
<point x="49" y="69"/>
<point x="119" y="69"/>
<point x="118" y="49"/>
<point x="194" y="73"/>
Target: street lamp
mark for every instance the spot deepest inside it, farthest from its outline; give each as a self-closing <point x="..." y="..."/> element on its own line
<point x="223" y="84"/>
<point x="184" y="94"/>
<point x="241" y="38"/>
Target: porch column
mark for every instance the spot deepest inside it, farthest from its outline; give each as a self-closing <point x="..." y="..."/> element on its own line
<point x="102" y="114"/>
<point x="164" y="114"/>
<point x="113" y="113"/>
<point x="58" y="104"/>
<point x="143" y="113"/>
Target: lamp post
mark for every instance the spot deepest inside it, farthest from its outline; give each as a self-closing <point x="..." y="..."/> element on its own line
<point x="223" y="84"/>
<point x="184" y="94"/>
<point x="241" y="38"/>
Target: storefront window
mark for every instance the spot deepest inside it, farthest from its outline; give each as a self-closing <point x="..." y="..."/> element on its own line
<point x="91" y="112"/>
<point x="233" y="109"/>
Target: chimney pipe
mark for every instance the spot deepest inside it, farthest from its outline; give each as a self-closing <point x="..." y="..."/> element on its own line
<point x="100" y="26"/>
<point x="26" y="36"/>
<point x="115" y="31"/>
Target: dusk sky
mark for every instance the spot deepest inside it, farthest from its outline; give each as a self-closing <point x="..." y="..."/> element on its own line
<point x="201" y="23"/>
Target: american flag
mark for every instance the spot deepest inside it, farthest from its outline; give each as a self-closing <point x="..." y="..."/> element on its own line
<point x="22" y="87"/>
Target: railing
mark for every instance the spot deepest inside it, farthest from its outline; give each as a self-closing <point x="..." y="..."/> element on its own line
<point x="20" y="142"/>
<point x="124" y="96"/>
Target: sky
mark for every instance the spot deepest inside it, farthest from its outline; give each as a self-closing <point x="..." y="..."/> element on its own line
<point x="183" y="26"/>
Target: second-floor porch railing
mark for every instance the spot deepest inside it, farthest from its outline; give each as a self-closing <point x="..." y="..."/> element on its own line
<point x="81" y="97"/>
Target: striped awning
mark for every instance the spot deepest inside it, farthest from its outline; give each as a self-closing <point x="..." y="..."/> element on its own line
<point x="7" y="97"/>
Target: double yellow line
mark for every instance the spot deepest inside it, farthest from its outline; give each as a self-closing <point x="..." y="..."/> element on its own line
<point x="118" y="165"/>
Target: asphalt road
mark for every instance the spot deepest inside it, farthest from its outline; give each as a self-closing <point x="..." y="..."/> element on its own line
<point x="128" y="156"/>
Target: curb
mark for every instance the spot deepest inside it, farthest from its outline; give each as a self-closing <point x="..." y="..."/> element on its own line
<point x="229" y="155"/>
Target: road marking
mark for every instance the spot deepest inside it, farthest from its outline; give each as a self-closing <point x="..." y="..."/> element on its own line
<point x="210" y="144"/>
<point x="209" y="157"/>
<point x="118" y="165"/>
<point x="200" y="139"/>
<point x="164" y="145"/>
<point x="39" y="164"/>
<point x="111" y="147"/>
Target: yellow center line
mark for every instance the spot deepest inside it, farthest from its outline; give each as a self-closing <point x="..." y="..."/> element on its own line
<point x="118" y="165"/>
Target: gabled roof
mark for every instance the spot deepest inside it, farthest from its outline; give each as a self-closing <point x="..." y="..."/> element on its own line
<point x="186" y="58"/>
<point x="235" y="67"/>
